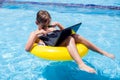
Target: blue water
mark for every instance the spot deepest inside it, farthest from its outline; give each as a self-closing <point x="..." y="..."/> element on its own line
<point x="99" y="26"/>
<point x="98" y="2"/>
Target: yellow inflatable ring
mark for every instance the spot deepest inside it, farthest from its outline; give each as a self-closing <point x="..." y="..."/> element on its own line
<point x="56" y="53"/>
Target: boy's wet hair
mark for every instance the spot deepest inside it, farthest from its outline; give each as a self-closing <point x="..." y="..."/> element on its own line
<point x="43" y="17"/>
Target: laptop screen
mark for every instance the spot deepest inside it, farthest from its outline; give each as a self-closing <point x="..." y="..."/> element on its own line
<point x="67" y="32"/>
<point x="75" y="27"/>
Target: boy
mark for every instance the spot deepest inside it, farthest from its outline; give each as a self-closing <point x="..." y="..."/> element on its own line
<point x="43" y="21"/>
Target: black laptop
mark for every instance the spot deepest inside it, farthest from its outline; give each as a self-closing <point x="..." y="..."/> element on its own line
<point x="67" y="32"/>
<point x="56" y="37"/>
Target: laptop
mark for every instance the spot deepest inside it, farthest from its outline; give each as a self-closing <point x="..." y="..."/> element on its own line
<point x="74" y="27"/>
<point x="56" y="37"/>
<point x="67" y="32"/>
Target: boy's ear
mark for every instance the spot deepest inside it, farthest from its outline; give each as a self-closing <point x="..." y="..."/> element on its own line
<point x="36" y="22"/>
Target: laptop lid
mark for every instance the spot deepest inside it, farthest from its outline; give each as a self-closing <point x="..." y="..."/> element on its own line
<point x="67" y="32"/>
<point x="75" y="27"/>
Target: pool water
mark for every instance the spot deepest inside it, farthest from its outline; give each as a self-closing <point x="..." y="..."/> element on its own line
<point x="98" y="2"/>
<point x="100" y="26"/>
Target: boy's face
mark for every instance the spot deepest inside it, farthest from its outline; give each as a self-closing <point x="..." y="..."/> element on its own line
<point x="43" y="25"/>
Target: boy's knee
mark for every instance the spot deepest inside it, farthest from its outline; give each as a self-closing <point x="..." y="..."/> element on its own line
<point x="75" y="35"/>
<point x="71" y="38"/>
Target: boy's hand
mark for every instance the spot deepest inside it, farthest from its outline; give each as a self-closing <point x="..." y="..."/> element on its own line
<point x="38" y="32"/>
<point x="54" y="24"/>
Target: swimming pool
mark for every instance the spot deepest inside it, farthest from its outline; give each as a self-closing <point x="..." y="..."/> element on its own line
<point x="98" y="2"/>
<point x="17" y="20"/>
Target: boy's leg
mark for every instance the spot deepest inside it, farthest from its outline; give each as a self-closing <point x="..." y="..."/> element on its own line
<point x="79" y="39"/>
<point x="71" y="46"/>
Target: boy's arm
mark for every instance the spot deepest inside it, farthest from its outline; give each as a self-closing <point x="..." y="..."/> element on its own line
<point x="30" y="42"/>
<point x="33" y="38"/>
<point x="61" y="27"/>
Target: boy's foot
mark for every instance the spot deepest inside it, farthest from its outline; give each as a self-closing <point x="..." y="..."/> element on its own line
<point x="86" y="68"/>
<point x="109" y="55"/>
